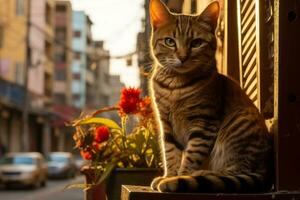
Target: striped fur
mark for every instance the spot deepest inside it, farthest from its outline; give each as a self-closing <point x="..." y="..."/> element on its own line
<point x="213" y="137"/>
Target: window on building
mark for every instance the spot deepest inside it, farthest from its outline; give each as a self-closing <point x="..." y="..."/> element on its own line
<point x="193" y="6"/>
<point x="20" y="7"/>
<point x="77" y="55"/>
<point x="60" y="57"/>
<point x="76" y="76"/>
<point x="60" y="34"/>
<point x="19" y="73"/>
<point x="60" y="98"/>
<point x="77" y="34"/>
<point x="60" y="74"/>
<point x="76" y="97"/>
<point x="61" y="8"/>
<point x="48" y="50"/>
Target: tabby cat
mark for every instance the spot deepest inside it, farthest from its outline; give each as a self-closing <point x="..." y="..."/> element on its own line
<point x="213" y="137"/>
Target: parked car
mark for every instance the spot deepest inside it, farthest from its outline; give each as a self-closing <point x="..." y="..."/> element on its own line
<point x="28" y="169"/>
<point x="61" y="165"/>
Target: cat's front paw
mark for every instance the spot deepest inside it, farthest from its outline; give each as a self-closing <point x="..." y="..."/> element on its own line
<point x="177" y="184"/>
<point x="155" y="182"/>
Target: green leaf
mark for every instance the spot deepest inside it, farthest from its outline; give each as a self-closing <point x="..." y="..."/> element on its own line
<point x="140" y="141"/>
<point x="107" y="172"/>
<point x="98" y="120"/>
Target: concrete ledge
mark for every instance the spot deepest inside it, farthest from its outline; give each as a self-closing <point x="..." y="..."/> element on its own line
<point x="130" y="192"/>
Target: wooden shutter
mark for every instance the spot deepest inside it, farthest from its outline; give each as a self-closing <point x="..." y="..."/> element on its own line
<point x="248" y="32"/>
<point x="256" y="52"/>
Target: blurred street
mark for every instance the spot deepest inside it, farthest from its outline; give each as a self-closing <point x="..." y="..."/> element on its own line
<point x="53" y="191"/>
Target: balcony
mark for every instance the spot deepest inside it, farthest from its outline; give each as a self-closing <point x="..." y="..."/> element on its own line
<point x="61" y="19"/>
<point x="49" y="32"/>
<point x="50" y="11"/>
<point x="59" y="87"/>
<point x="12" y="93"/>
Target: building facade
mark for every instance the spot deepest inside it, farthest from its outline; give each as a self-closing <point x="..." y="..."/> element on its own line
<point x="81" y="31"/>
<point x="13" y="28"/>
<point x="13" y="51"/>
<point x="41" y="45"/>
<point x="100" y="56"/>
<point x="63" y="54"/>
<point x="62" y="98"/>
<point x="26" y="66"/>
<point x="115" y="91"/>
<point x="40" y="74"/>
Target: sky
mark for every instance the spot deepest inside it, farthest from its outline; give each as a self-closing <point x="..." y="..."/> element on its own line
<point x="117" y="22"/>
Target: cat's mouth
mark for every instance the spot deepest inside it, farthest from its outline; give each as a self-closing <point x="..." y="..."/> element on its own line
<point x="183" y="68"/>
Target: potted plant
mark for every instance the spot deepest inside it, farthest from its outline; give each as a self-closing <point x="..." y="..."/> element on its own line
<point x="118" y="154"/>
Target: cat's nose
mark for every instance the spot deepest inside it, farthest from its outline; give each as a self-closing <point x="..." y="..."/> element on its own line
<point x="182" y="56"/>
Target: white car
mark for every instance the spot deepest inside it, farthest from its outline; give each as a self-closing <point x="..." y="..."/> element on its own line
<point x="27" y="169"/>
<point x="61" y="165"/>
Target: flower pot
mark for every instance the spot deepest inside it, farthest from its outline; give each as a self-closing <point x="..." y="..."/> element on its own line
<point x="95" y="193"/>
<point x="129" y="176"/>
<point x="111" y="189"/>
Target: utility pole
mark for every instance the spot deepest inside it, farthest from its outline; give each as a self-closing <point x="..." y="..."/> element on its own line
<point x="25" y="135"/>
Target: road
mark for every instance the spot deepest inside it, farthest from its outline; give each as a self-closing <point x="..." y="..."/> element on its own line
<point x="53" y="191"/>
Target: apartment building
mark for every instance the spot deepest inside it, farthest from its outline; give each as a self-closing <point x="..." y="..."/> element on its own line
<point x="63" y="53"/>
<point x="80" y="43"/>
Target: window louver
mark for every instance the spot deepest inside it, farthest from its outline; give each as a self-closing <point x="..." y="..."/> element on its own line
<point x="248" y="48"/>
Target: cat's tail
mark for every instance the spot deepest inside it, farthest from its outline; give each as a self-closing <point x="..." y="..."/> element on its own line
<point x="216" y="183"/>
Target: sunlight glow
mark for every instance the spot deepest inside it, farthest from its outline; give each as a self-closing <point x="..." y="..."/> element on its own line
<point x="117" y="22"/>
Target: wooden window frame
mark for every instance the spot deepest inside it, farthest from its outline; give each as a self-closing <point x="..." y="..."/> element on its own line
<point x="287" y="94"/>
<point x="285" y="86"/>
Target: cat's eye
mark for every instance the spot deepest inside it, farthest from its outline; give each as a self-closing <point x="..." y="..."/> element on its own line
<point x="196" y="43"/>
<point x="170" y="42"/>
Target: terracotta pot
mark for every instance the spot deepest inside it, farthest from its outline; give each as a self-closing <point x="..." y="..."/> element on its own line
<point x="111" y="189"/>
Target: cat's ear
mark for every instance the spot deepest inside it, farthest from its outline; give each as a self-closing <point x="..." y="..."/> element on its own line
<point x="159" y="14"/>
<point x="211" y="14"/>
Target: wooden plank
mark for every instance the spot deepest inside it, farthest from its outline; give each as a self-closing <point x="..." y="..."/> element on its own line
<point x="245" y="6"/>
<point x="249" y="38"/>
<point x="250" y="66"/>
<point x="249" y="54"/>
<point x="145" y="193"/>
<point x="287" y="96"/>
<point x="266" y="62"/>
<point x="252" y="87"/>
<point x="250" y="78"/>
<point x="250" y="10"/>
<point x="231" y="43"/>
<point x="250" y="20"/>
<point x="253" y="96"/>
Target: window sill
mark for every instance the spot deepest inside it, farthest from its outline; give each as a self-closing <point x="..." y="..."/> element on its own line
<point x="130" y="192"/>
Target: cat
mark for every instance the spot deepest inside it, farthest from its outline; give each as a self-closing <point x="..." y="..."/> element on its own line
<point x="213" y="138"/>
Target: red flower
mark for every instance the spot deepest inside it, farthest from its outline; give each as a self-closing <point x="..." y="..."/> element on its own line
<point x="145" y="107"/>
<point x="101" y="134"/>
<point x="96" y="146"/>
<point x="130" y="99"/>
<point x="86" y="155"/>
